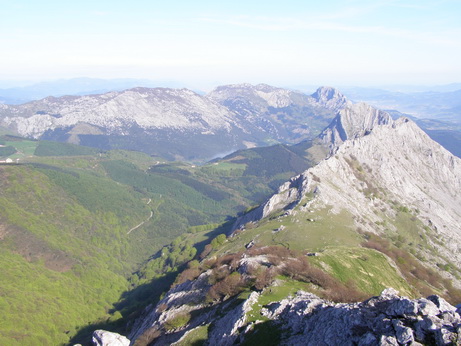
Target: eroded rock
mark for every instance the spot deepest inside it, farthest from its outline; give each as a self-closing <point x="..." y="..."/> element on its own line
<point x="388" y="319"/>
<point x="105" y="338"/>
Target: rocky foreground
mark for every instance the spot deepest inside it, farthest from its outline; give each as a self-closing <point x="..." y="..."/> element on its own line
<point x="306" y="319"/>
<point x="385" y="320"/>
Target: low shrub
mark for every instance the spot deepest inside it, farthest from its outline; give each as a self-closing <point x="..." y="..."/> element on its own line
<point x="177" y="322"/>
<point x="422" y="278"/>
<point x="186" y="275"/>
<point x="228" y="287"/>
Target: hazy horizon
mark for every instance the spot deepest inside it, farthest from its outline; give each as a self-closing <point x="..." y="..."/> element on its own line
<point x="13" y="84"/>
<point x="204" y="43"/>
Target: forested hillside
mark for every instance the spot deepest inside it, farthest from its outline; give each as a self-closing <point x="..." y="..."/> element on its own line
<point x="78" y="227"/>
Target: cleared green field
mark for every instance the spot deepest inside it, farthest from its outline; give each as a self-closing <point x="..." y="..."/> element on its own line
<point x="308" y="232"/>
<point x="24" y="148"/>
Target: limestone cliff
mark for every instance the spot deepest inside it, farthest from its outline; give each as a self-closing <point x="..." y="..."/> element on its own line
<point x="388" y="319"/>
<point x="354" y="121"/>
<point x="377" y="166"/>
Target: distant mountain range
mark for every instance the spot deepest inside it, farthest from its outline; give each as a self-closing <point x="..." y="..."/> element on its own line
<point x="177" y="123"/>
<point x="180" y="124"/>
<point x="75" y="86"/>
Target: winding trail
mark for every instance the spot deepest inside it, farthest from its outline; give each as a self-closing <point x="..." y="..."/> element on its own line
<point x="142" y="223"/>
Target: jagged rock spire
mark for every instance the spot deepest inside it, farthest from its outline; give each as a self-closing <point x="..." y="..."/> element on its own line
<point x="330" y="98"/>
<point x="354" y="121"/>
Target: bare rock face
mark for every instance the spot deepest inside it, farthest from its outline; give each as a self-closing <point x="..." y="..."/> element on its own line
<point x="388" y="319"/>
<point x="176" y="123"/>
<point x="226" y="329"/>
<point x="189" y="298"/>
<point x="180" y="300"/>
<point x="353" y="121"/>
<point x="105" y="338"/>
<point x="288" y="193"/>
<point x="246" y="99"/>
<point x="158" y="108"/>
<point x="396" y="164"/>
<point x="305" y="319"/>
<point x="284" y="114"/>
<point x="252" y="99"/>
<point x="376" y="166"/>
<point x="245" y="108"/>
<point x="330" y="98"/>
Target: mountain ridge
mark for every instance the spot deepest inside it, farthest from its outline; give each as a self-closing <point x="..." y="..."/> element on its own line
<point x="380" y="209"/>
<point x="391" y="191"/>
<point x="170" y="122"/>
<point x="365" y="163"/>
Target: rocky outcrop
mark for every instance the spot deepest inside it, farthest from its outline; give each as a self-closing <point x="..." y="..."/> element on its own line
<point x="354" y="121"/>
<point x="378" y="165"/>
<point x="280" y="112"/>
<point x="254" y="98"/>
<point x="351" y="122"/>
<point x="397" y="164"/>
<point x="226" y="330"/>
<point x="105" y="338"/>
<point x="189" y="298"/>
<point x="331" y="98"/>
<point x="288" y="194"/>
<point x="164" y="108"/>
<point x="305" y="319"/>
<point x="388" y="319"/>
<point x="246" y="99"/>
<point x="180" y="300"/>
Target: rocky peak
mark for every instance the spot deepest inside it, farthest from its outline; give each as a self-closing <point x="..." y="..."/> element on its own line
<point x="377" y="164"/>
<point x="244" y="87"/>
<point x="330" y="97"/>
<point x="266" y="88"/>
<point x="354" y="121"/>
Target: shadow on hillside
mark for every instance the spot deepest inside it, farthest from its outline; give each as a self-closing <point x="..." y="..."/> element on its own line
<point x="132" y="303"/>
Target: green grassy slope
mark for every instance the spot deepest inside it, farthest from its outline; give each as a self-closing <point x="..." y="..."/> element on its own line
<point x="63" y="263"/>
<point x="324" y="254"/>
<point x="397" y="258"/>
<point x="75" y="223"/>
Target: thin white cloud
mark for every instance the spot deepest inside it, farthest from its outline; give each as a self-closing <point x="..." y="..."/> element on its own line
<point x="293" y="24"/>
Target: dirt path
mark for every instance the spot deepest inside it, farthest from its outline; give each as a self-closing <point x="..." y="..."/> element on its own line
<point x="142" y="223"/>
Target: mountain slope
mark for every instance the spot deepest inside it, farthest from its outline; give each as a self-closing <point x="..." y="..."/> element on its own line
<point x="394" y="163"/>
<point x="176" y="123"/>
<point x="107" y="231"/>
<point x="382" y="211"/>
<point x="285" y="115"/>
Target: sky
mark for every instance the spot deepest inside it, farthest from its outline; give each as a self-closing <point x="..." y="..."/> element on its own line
<point x="209" y="43"/>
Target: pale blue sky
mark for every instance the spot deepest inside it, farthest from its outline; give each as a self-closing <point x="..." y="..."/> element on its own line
<point x="203" y="43"/>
